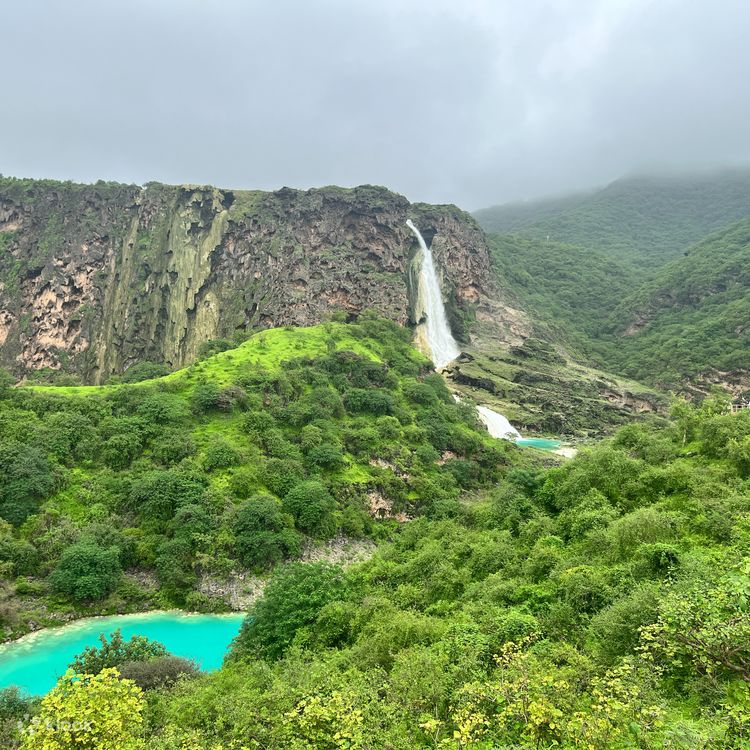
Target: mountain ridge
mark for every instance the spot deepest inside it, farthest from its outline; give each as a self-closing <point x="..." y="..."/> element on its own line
<point x="644" y="220"/>
<point x="98" y="277"/>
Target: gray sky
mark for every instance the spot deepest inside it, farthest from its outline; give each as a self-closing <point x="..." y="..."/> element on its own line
<point x="467" y="101"/>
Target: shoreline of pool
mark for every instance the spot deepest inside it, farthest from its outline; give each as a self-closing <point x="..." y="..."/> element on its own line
<point x="70" y="624"/>
<point x="35" y="661"/>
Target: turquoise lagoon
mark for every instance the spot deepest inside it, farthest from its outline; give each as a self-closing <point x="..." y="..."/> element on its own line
<point x="34" y="662"/>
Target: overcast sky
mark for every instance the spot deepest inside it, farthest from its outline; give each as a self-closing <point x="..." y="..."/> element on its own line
<point x="473" y="102"/>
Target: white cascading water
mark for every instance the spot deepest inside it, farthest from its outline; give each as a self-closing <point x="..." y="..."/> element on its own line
<point x="443" y="347"/>
<point x="497" y="425"/>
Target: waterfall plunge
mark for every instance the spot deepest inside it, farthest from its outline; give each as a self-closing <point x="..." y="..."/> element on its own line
<point x="439" y="339"/>
<point x="497" y="425"/>
<point x="442" y="345"/>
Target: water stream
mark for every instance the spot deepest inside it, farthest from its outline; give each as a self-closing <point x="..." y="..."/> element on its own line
<point x="439" y="339"/>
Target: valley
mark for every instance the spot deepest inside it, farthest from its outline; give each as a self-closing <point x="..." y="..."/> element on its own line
<point x="412" y="478"/>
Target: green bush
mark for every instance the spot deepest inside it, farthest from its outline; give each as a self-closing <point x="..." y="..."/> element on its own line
<point x="172" y="446"/>
<point x="157" y="494"/>
<point x="312" y="507"/>
<point x="615" y="630"/>
<point x="174" y="568"/>
<point x="368" y="401"/>
<point x="264" y="534"/>
<point x="87" y="572"/>
<point x="325" y="456"/>
<point x="292" y="600"/>
<point x="116" y="651"/>
<point x="205" y="397"/>
<point x="220" y="455"/>
<point x="158" y="673"/>
<point x="144" y="371"/>
<point x="26" y="478"/>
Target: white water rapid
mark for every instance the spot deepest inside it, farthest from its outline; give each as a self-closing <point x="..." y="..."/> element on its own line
<point x="497" y="425"/>
<point x="442" y="345"/>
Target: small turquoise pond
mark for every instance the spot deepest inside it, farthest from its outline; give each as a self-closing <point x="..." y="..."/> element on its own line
<point x="35" y="661"/>
<point x="544" y="444"/>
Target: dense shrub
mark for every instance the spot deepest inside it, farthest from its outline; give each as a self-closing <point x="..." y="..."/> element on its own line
<point x="220" y="455"/>
<point x="144" y="371"/>
<point x="325" y="456"/>
<point x="116" y="651"/>
<point x="312" y="507"/>
<point x="26" y="478"/>
<point x="205" y="397"/>
<point x="159" y="672"/>
<point x="264" y="534"/>
<point x="157" y="494"/>
<point x="368" y="401"/>
<point x="290" y="602"/>
<point x="87" y="572"/>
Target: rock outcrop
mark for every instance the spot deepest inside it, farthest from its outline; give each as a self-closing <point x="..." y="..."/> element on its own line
<point x="94" y="278"/>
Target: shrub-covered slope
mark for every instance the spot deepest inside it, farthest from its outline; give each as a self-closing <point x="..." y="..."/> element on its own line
<point x="570" y="291"/>
<point x="142" y="494"/>
<point x="602" y="605"/>
<point x="692" y="318"/>
<point x="663" y="326"/>
<point x="641" y="221"/>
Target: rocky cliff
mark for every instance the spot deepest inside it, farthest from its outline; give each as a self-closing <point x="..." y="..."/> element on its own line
<point x="94" y="278"/>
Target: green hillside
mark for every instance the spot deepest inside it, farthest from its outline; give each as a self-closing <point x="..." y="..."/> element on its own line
<point x="510" y="218"/>
<point x="662" y="319"/>
<point x="569" y="291"/>
<point x="692" y="317"/>
<point x="601" y="605"/>
<point x="230" y="465"/>
<point x="641" y="221"/>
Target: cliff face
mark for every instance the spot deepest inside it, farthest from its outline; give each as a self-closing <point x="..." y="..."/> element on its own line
<point x="94" y="278"/>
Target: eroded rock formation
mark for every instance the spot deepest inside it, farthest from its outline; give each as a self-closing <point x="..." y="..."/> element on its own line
<point x="94" y="278"/>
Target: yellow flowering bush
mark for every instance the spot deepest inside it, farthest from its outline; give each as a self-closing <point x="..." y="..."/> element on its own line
<point x="88" y="712"/>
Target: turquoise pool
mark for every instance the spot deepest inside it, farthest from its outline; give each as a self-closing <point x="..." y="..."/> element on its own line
<point x="544" y="444"/>
<point x="35" y="661"/>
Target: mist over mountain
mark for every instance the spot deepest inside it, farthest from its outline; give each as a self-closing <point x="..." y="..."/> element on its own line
<point x="298" y="454"/>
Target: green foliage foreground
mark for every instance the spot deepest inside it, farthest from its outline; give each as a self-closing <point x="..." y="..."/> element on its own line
<point x="602" y="605"/>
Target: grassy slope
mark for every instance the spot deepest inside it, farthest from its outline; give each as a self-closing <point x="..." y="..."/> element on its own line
<point x="267" y="349"/>
<point x="276" y="371"/>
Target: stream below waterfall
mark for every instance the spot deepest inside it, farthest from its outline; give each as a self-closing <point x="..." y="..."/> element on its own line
<point x="434" y="331"/>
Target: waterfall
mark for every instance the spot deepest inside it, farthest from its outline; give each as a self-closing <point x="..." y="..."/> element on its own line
<point x="443" y="347"/>
<point x="497" y="425"/>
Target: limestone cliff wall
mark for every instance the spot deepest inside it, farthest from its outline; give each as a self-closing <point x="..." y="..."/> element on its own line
<point x="94" y="278"/>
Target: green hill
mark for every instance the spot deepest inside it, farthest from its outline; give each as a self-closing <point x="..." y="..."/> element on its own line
<point x="641" y="221"/>
<point x="688" y="319"/>
<point x="692" y="317"/>
<point x="232" y="464"/>
<point x="569" y="291"/>
<point x="644" y="290"/>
